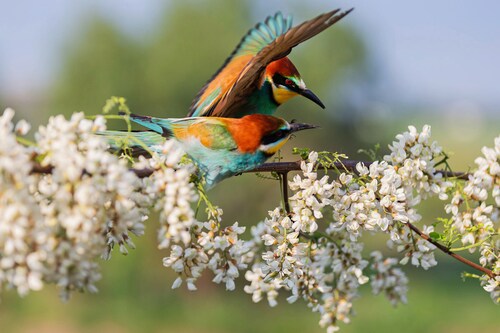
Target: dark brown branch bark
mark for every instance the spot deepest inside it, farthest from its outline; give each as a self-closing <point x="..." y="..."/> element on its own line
<point x="278" y="167"/>
<point x="284" y="184"/>
<point x="450" y="253"/>
<point x="37" y="168"/>
<point x="350" y="165"/>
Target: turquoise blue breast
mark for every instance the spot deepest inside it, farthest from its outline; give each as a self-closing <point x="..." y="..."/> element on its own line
<point x="217" y="165"/>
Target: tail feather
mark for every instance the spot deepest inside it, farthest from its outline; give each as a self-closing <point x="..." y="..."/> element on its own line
<point x="134" y="142"/>
<point x="159" y="125"/>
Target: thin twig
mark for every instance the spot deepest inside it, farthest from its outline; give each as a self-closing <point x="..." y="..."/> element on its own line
<point x="450" y="253"/>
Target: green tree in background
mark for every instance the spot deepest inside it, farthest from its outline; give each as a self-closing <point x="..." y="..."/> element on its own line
<point x="192" y="41"/>
<point x="100" y="63"/>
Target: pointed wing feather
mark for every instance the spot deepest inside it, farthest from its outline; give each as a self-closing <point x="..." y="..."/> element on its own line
<point x="257" y="38"/>
<point x="263" y="34"/>
<point x="210" y="132"/>
<point x="249" y="77"/>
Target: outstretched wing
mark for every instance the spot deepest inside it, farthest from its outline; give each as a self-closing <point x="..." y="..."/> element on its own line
<point x="250" y="75"/>
<point x="257" y="39"/>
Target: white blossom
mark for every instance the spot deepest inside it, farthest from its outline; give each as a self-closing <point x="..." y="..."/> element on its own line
<point x="89" y="202"/>
<point x="388" y="279"/>
<point x="173" y="193"/>
<point x="20" y="267"/>
<point x="55" y="225"/>
<point x="212" y="247"/>
<point x="475" y="209"/>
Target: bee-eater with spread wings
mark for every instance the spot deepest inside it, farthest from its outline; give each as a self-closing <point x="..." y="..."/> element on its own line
<point x="258" y="76"/>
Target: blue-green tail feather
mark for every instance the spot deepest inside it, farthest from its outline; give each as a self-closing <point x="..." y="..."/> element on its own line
<point x="162" y="126"/>
<point x="138" y="143"/>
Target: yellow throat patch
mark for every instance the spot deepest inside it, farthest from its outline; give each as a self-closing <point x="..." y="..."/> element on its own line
<point x="282" y="95"/>
<point x="274" y="148"/>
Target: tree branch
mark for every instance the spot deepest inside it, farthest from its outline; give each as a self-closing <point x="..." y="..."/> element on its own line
<point x="278" y="167"/>
<point x="350" y="165"/>
<point x="450" y="253"/>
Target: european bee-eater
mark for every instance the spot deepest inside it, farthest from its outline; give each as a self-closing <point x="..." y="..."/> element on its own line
<point x="258" y="77"/>
<point x="220" y="147"/>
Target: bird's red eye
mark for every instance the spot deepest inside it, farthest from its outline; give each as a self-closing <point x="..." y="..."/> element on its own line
<point x="289" y="82"/>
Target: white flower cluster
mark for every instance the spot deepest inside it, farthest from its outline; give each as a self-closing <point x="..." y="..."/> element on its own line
<point x="374" y="202"/>
<point x="194" y="246"/>
<point x="260" y="283"/>
<point x="311" y="196"/>
<point x="343" y="264"/>
<point x="212" y="247"/>
<point x="421" y="252"/>
<point x="384" y="195"/>
<point x="475" y="214"/>
<point x="173" y="193"/>
<point x="326" y="269"/>
<point x="55" y="226"/>
<point x="60" y="223"/>
<point x="490" y="255"/>
<point x="19" y="213"/>
<point x="88" y="184"/>
<point x="388" y="279"/>
<point x="414" y="156"/>
<point x="307" y="269"/>
<point x="283" y="261"/>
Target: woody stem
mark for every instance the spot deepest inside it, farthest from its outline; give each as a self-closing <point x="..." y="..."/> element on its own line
<point x="278" y="167"/>
<point x="450" y="253"/>
<point x="284" y="189"/>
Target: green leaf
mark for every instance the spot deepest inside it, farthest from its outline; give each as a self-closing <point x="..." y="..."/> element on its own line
<point x="302" y="152"/>
<point x="435" y="235"/>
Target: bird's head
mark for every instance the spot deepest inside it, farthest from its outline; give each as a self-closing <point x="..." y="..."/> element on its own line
<point x="258" y="132"/>
<point x="286" y="82"/>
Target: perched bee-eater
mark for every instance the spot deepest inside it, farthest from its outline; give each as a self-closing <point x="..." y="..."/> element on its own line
<point x="220" y="147"/>
<point x="258" y="77"/>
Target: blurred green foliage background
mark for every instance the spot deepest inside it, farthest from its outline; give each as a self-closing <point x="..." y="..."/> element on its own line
<point x="159" y="74"/>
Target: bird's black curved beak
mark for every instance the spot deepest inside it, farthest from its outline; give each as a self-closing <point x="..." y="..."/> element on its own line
<point x="295" y="127"/>
<point x="310" y="95"/>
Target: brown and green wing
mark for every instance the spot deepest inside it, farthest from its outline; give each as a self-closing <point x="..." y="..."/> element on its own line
<point x="247" y="81"/>
<point x="257" y="39"/>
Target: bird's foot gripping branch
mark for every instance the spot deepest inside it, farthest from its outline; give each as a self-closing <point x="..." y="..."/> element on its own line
<point x="66" y="201"/>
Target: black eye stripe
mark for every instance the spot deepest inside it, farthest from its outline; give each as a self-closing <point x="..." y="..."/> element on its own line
<point x="275" y="136"/>
<point x="279" y="79"/>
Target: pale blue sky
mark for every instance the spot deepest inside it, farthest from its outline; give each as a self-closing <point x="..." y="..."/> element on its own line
<point x="434" y="52"/>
